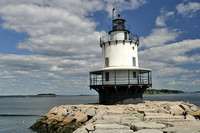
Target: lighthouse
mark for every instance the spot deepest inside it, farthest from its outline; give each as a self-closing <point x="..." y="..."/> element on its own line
<point x="120" y="80"/>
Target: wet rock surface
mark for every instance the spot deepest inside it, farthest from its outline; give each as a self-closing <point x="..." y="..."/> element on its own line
<point x="147" y="117"/>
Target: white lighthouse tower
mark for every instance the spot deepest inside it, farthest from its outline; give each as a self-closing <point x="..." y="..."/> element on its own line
<point x="120" y="80"/>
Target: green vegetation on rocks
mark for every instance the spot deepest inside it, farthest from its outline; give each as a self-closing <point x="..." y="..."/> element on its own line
<point x="42" y="126"/>
<point x="46" y="95"/>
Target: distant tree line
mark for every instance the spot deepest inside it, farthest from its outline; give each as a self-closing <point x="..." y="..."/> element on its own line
<point x="162" y="91"/>
<point x="46" y="95"/>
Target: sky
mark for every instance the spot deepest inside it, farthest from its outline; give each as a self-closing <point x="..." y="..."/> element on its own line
<point x="50" y="46"/>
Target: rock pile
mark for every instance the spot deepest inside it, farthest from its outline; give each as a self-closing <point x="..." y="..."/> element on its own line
<point x="148" y="117"/>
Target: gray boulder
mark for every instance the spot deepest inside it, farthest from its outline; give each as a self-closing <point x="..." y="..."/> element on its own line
<point x="91" y="112"/>
<point x="110" y="126"/>
<point x="146" y="125"/>
<point x="113" y="131"/>
<point x="149" y="131"/>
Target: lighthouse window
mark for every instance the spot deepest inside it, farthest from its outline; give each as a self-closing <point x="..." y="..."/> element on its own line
<point x="106" y="62"/>
<point x="134" y="74"/>
<point x="107" y="76"/>
<point x="134" y="62"/>
<point x="119" y="23"/>
<point x="125" y="36"/>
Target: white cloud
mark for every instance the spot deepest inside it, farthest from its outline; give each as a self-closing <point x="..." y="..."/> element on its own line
<point x="160" y="21"/>
<point x="56" y="68"/>
<point x="5" y="75"/>
<point x="65" y="43"/>
<point x="52" y="31"/>
<point x="121" y="5"/>
<point x="189" y="9"/>
<point x="24" y="62"/>
<point x="167" y="64"/>
<point x="187" y="77"/>
<point x="44" y="83"/>
<point x="56" y="28"/>
<point x="165" y="16"/>
<point x="196" y="82"/>
<point x="38" y="75"/>
<point x="197" y="71"/>
<point x="171" y="71"/>
<point x="175" y="52"/>
<point x="59" y="28"/>
<point x="44" y="76"/>
<point x="21" y="64"/>
<point x="159" y="37"/>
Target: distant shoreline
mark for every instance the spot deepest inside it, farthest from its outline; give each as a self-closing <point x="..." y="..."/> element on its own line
<point x="147" y="92"/>
<point x="162" y="91"/>
<point x="15" y="96"/>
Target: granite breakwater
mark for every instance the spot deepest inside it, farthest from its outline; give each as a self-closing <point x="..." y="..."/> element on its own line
<point x="147" y="117"/>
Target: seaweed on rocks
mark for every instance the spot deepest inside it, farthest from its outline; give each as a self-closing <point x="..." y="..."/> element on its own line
<point x="41" y="126"/>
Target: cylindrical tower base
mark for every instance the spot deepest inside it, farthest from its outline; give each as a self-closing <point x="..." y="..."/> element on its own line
<point x="121" y="94"/>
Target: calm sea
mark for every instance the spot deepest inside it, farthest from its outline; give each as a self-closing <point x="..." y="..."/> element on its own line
<point x="17" y="114"/>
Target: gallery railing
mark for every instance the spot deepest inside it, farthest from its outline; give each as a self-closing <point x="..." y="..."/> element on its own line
<point x="107" y="38"/>
<point x="141" y="79"/>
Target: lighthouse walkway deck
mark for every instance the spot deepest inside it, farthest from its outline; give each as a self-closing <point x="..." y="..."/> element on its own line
<point x="141" y="79"/>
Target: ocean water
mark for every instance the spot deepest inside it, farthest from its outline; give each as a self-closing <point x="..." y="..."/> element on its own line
<point x="17" y="114"/>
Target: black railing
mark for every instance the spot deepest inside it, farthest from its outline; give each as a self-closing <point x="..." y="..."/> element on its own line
<point x="141" y="79"/>
<point x="106" y="38"/>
